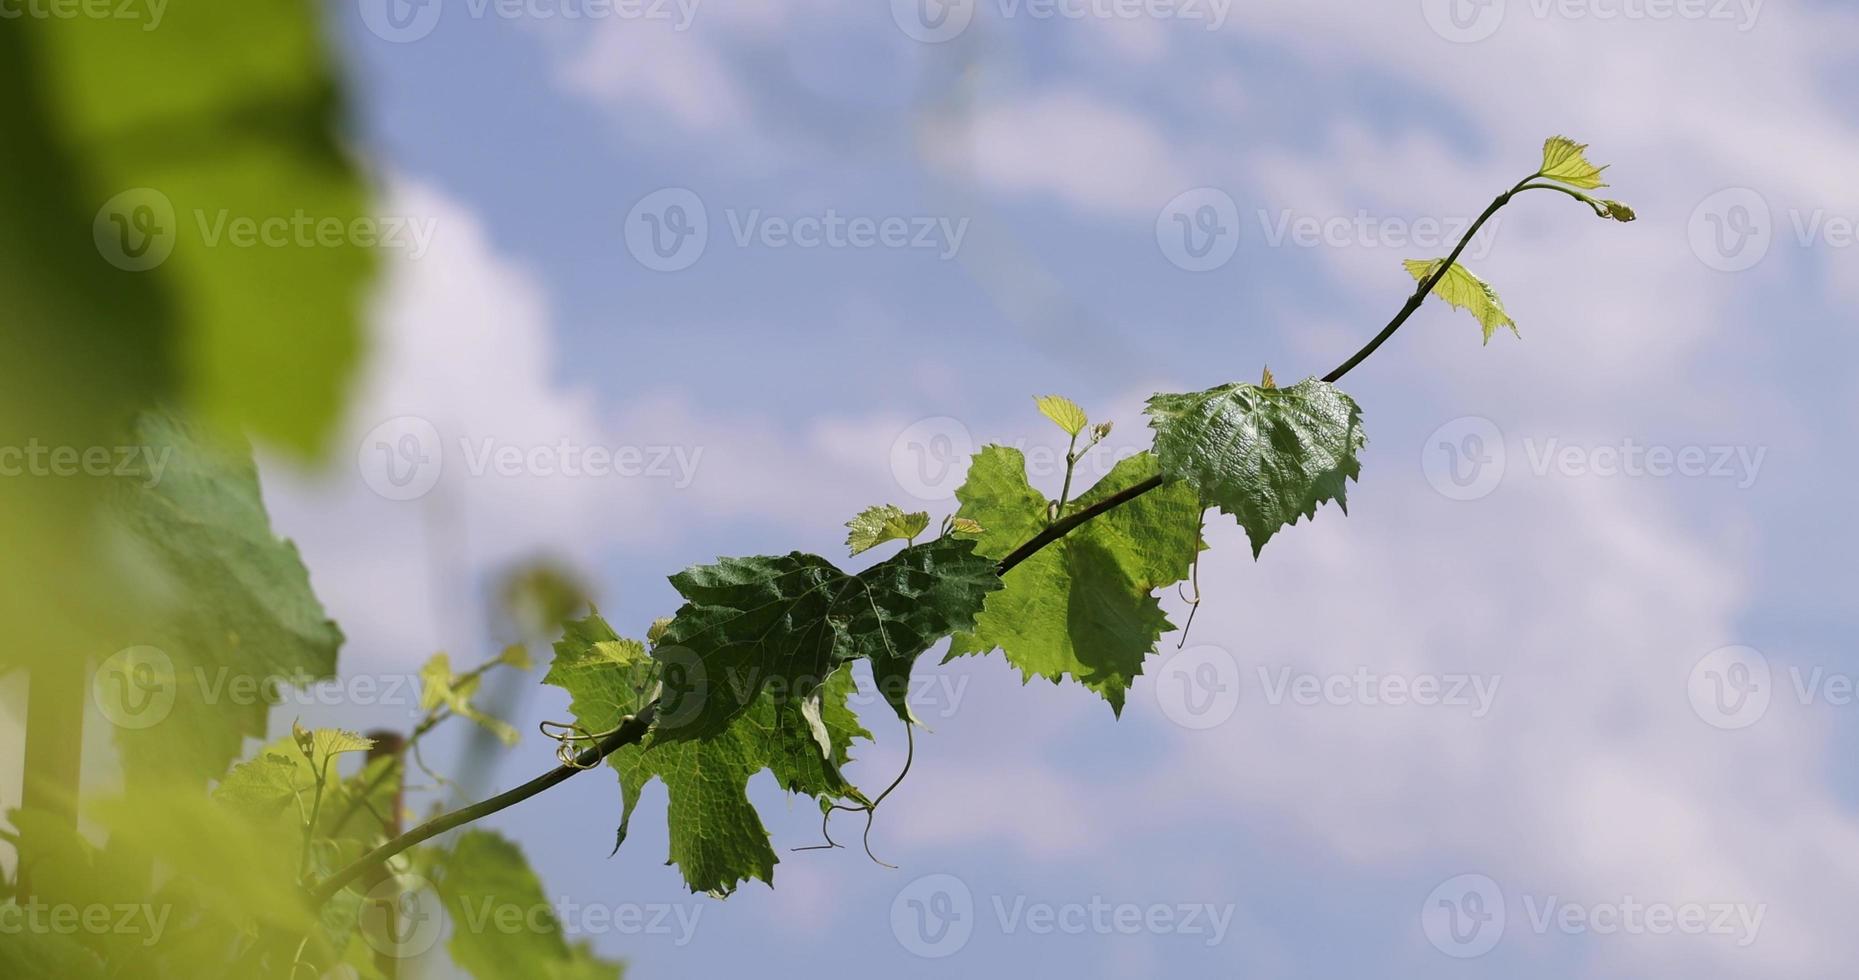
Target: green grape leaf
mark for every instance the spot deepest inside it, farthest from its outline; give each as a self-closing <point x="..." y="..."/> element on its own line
<point x="1465" y="291"/>
<point x="717" y="839"/>
<point x="884" y="522"/>
<point x="1267" y="456"/>
<point x="240" y="615"/>
<point x="1566" y="161"/>
<point x="1083" y="606"/>
<point x="274" y="788"/>
<point x="439" y="686"/>
<point x="485" y="884"/>
<point x="1064" y="412"/>
<point x="43" y="953"/>
<point x="261" y="787"/>
<point x="784" y="623"/>
<point x="239" y="869"/>
<point x="319" y="745"/>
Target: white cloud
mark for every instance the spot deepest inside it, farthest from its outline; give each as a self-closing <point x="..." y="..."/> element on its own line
<point x="463" y="339"/>
<point x="1090" y="155"/>
<point x="1593" y="779"/>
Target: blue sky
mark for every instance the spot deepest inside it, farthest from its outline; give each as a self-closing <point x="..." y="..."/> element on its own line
<point x="1595" y="599"/>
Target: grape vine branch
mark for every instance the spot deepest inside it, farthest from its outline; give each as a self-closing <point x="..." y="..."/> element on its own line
<point x="1563" y="162"/>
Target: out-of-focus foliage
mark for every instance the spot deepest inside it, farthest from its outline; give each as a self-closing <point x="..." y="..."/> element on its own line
<point x="127" y="154"/>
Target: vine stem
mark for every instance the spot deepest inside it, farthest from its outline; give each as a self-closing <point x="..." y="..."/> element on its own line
<point x="635" y="728"/>
<point x="1060" y="528"/>
<point x="628" y="733"/>
<point x="1426" y="287"/>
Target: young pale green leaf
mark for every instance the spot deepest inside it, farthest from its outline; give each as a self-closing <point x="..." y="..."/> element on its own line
<point x="1267" y="456"/>
<point x="260" y="788"/>
<point x="485" y="880"/>
<point x="1063" y="412"/>
<point x="717" y="839"/>
<point x="884" y="522"/>
<point x="439" y="686"/>
<point x="786" y="622"/>
<point x="1614" y="210"/>
<point x="516" y="655"/>
<point x="965" y="525"/>
<point x="1566" y="161"/>
<point x="1082" y="607"/>
<point x="1464" y="291"/>
<point x="319" y="745"/>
